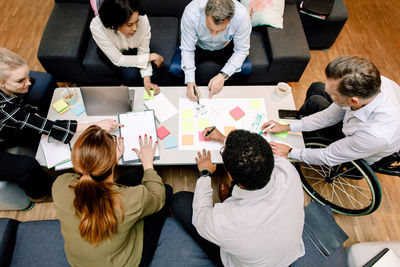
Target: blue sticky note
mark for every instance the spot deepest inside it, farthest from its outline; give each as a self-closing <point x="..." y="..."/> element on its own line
<point x="78" y="109"/>
<point x="170" y="142"/>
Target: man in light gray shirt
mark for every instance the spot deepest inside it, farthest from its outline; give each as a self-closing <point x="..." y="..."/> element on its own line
<point x="261" y="224"/>
<point x="358" y="110"/>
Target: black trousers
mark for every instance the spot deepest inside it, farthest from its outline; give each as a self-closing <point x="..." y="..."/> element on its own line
<point x="317" y="100"/>
<point x="181" y="206"/>
<point x="153" y="223"/>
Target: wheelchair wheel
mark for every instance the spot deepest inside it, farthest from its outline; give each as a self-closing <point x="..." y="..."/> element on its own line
<point x="350" y="188"/>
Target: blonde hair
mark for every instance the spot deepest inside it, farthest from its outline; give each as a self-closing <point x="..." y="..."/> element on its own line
<point x="9" y="61"/>
<point x="94" y="157"/>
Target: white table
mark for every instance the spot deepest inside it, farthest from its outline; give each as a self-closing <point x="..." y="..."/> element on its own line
<point x="174" y="156"/>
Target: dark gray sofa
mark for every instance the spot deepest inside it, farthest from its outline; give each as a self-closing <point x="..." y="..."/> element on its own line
<point x="69" y="53"/>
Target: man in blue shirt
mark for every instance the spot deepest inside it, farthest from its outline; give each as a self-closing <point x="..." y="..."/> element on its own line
<point x="207" y="31"/>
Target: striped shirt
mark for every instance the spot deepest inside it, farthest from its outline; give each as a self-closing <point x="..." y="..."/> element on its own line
<point x="17" y="116"/>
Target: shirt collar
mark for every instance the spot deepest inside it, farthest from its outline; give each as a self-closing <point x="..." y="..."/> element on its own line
<point x="4" y="98"/>
<point x="365" y="112"/>
<point x="239" y="193"/>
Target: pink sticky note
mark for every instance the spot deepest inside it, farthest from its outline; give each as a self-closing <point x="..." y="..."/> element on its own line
<point x="201" y="137"/>
<point x="237" y="113"/>
<point x="162" y="132"/>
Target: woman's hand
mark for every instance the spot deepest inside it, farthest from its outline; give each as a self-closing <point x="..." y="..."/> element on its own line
<point x="157" y="59"/>
<point x="120" y="146"/>
<point x="148" y="85"/>
<point x="146" y="152"/>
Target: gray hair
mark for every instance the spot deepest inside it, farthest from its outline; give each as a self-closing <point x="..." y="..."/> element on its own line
<point x="9" y="61"/>
<point x="220" y="10"/>
<point x="358" y="76"/>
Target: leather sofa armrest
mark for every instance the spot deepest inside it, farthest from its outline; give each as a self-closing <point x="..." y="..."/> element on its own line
<point x="287" y="48"/>
<point x="65" y="40"/>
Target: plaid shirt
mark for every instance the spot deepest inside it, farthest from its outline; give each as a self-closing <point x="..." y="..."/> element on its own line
<point x="17" y="116"/>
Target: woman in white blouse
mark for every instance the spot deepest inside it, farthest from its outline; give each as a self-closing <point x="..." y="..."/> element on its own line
<point x="123" y="35"/>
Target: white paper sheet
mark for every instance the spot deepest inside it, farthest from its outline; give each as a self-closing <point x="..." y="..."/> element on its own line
<point x="55" y="153"/>
<point x="162" y="107"/>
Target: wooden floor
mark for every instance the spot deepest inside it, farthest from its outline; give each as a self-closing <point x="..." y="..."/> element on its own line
<point x="372" y="31"/>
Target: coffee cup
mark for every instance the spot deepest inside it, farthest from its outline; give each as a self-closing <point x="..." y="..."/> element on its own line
<point x="70" y="96"/>
<point x="282" y="89"/>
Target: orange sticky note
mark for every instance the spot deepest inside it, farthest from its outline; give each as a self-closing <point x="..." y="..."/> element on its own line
<point x="187" y="140"/>
<point x="228" y="130"/>
<point x="237" y="113"/>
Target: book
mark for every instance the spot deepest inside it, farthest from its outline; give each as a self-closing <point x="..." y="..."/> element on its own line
<point x="56" y="153"/>
<point x="138" y="123"/>
<point x="162" y="107"/>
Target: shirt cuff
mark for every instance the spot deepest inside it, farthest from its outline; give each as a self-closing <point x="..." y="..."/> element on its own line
<point x="295" y="154"/>
<point x="189" y="77"/>
<point x="143" y="60"/>
<point x="147" y="71"/>
<point x="230" y="69"/>
<point x="296" y="126"/>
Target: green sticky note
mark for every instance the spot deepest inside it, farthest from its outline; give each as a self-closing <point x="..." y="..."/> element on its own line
<point x="282" y="135"/>
<point x="203" y="123"/>
<point x="146" y="96"/>
<point x="255" y="104"/>
<point x="187" y="114"/>
<point x="187" y="126"/>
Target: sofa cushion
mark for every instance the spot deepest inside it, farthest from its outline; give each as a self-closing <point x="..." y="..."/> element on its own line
<point x="39" y="243"/>
<point x="164" y="8"/>
<point x="93" y="63"/>
<point x="8" y="228"/>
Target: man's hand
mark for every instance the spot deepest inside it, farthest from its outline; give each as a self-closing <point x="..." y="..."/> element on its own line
<point x="215" y="135"/>
<point x="157" y="59"/>
<point x="108" y="124"/>
<point x="148" y="85"/>
<point x="216" y="84"/>
<point x="190" y="91"/>
<point x="276" y="128"/>
<point x="280" y="149"/>
<point x="203" y="161"/>
<point x="146" y="152"/>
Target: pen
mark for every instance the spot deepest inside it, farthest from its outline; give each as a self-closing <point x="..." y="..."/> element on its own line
<point x="195" y="93"/>
<point x="213" y="128"/>
<point x="269" y="127"/>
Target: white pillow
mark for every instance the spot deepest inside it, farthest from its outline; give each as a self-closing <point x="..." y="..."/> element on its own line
<point x="95" y="6"/>
<point x="272" y="16"/>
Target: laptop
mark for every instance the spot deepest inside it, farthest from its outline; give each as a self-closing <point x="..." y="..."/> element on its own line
<point x="107" y="100"/>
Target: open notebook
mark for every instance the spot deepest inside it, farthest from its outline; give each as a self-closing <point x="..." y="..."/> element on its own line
<point x="135" y="124"/>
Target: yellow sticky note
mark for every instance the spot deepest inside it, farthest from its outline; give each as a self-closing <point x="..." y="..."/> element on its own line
<point x="203" y="123"/>
<point x="187" y="126"/>
<point x="187" y="114"/>
<point x="228" y="130"/>
<point x="187" y="140"/>
<point x="282" y="135"/>
<point x="255" y="104"/>
<point x="61" y="106"/>
<point x="146" y="96"/>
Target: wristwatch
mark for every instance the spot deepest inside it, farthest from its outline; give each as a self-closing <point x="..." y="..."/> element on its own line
<point x="226" y="76"/>
<point x="204" y="172"/>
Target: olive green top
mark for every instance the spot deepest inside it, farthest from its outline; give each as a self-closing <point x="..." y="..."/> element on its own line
<point x="125" y="247"/>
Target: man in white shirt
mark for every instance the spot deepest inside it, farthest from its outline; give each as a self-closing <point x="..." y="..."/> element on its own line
<point x="261" y="224"/>
<point x="357" y="105"/>
<point x="213" y="30"/>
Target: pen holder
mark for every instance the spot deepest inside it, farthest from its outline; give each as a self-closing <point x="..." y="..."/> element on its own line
<point x="70" y="96"/>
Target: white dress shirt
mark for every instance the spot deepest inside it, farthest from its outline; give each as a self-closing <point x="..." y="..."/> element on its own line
<point x="372" y="132"/>
<point x="195" y="32"/>
<point x="113" y="43"/>
<point x="254" y="228"/>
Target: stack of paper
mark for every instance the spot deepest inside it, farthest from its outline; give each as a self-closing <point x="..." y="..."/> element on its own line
<point x="61" y="106"/>
<point x="162" y="107"/>
<point x="55" y="153"/>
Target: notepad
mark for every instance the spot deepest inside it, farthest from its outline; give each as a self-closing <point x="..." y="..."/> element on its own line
<point x="162" y="107"/>
<point x="78" y="109"/>
<point x="282" y="135"/>
<point x="170" y="142"/>
<point x="61" y="106"/>
<point x="55" y="153"/>
<point x="146" y="96"/>
<point x="137" y="124"/>
<point x="237" y="113"/>
<point x="162" y="132"/>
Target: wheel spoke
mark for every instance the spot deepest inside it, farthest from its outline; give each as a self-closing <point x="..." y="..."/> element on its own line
<point x="355" y="188"/>
<point x="314" y="169"/>
<point x="349" y="196"/>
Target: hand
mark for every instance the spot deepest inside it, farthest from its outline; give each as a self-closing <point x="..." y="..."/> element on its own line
<point x="259" y="5"/>
<point x="280" y="149"/>
<point x="278" y="128"/>
<point x="108" y="124"/>
<point x="203" y="161"/>
<point x="216" y="84"/>
<point x="148" y="85"/>
<point x="190" y="91"/>
<point x="157" y="59"/>
<point x="120" y="147"/>
<point x="146" y="152"/>
<point x="215" y="135"/>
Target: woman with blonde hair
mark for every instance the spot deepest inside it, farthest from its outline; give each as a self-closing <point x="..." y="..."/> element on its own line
<point x="105" y="223"/>
<point x="21" y="124"/>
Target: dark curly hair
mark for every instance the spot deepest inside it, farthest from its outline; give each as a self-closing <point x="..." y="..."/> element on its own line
<point x="248" y="158"/>
<point x="358" y="76"/>
<point x="114" y="13"/>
